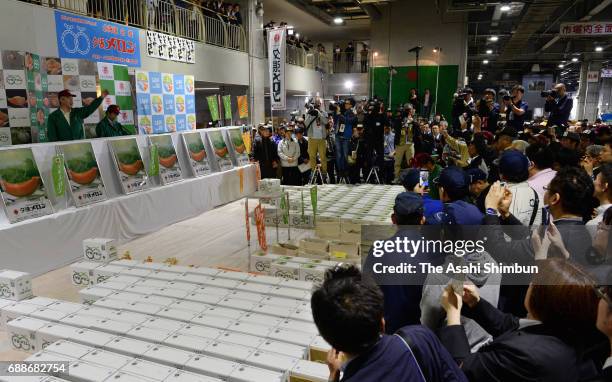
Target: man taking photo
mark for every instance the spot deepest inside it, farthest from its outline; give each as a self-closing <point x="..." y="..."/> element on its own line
<point x="515" y="108"/>
<point x="66" y="123"/>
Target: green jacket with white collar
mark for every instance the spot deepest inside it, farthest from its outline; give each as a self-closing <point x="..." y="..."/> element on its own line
<point x="58" y="128"/>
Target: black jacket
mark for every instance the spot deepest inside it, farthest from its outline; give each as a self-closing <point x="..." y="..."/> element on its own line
<point x="374" y="125"/>
<point x="559" y="111"/>
<point x="303" y="150"/>
<point x="533" y="353"/>
<point x="416" y="132"/>
<point x="265" y="152"/>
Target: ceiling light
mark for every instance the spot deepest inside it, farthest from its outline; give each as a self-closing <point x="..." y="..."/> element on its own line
<point x="598" y="48"/>
<point x="493" y="38"/>
<point x="489" y="51"/>
<point x="575" y="59"/>
<point x="485" y="61"/>
<point x="375" y="54"/>
<point x="348" y="84"/>
<point x="290" y="32"/>
<point x="504" y="8"/>
<point x="338" y="20"/>
<point x="435" y="50"/>
<point x="560" y="65"/>
<point x="297" y="35"/>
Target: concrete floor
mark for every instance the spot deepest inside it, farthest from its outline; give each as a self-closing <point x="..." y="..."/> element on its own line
<point x="216" y="238"/>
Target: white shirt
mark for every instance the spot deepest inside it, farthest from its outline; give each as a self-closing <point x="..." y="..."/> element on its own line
<point x="600" y="213"/>
<point x="66" y="115"/>
<point x="608" y="363"/>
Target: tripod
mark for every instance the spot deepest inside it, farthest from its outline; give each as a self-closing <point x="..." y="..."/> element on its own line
<point x="373" y="171"/>
<point x="317" y="174"/>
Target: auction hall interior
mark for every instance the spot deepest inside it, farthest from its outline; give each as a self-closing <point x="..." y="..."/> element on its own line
<point x="305" y="190"/>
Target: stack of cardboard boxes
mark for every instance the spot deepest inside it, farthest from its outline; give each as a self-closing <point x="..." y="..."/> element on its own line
<point x="96" y="252"/>
<point x="15" y="285"/>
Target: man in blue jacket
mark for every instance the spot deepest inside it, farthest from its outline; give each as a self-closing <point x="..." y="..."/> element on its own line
<point x="559" y="108"/>
<point x="348" y="311"/>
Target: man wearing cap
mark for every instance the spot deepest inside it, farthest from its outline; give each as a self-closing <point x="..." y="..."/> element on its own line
<point x="463" y="106"/>
<point x="454" y="188"/>
<point x="570" y="140"/>
<point x="402" y="292"/>
<point x="411" y="180"/>
<point x="66" y="123"/>
<point x="109" y="126"/>
<point x="265" y="153"/>
<point x="515" y="108"/>
<point x="526" y="204"/>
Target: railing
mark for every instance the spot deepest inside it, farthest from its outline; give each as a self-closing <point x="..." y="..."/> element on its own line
<point x="350" y="62"/>
<point x="191" y="22"/>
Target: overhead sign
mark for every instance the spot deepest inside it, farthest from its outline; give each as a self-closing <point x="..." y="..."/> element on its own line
<point x="590" y="28"/>
<point x="166" y="47"/>
<point x="96" y="40"/>
<point x="606" y="73"/>
<point x="276" y="59"/>
<point x="593" y="76"/>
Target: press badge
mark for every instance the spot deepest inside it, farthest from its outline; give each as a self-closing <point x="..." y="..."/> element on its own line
<point x="341" y="128"/>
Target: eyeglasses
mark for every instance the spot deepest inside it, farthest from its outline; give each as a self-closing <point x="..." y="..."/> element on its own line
<point x="602" y="292"/>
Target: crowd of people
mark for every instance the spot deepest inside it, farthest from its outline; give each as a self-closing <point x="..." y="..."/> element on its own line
<point x="345" y="59"/>
<point x="540" y="192"/>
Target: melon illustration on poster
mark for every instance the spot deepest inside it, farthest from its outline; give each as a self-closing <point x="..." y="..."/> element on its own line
<point x="14" y="103"/>
<point x="220" y="149"/>
<point x="23" y="191"/>
<point x="86" y="185"/>
<point x="129" y="164"/>
<point x="169" y="167"/>
<point x="198" y="158"/>
<point x="235" y="138"/>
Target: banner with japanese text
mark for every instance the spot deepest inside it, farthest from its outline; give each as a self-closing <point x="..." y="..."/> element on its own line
<point x="96" y="40"/>
<point x="586" y="28"/>
<point x="276" y="58"/>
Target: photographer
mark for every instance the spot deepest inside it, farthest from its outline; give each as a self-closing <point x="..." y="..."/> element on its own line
<point x="515" y="108"/>
<point x="488" y="110"/>
<point x="344" y="131"/>
<point x="559" y="105"/>
<point x="374" y="124"/>
<point x="463" y="108"/>
<point x="315" y="122"/>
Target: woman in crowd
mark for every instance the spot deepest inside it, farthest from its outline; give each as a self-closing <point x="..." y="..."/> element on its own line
<point x="289" y="152"/>
<point x="548" y="345"/>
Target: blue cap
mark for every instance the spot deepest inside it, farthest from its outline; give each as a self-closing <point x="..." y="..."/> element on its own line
<point x="453" y="178"/>
<point x="475" y="174"/>
<point x="410" y="178"/>
<point x="407" y="203"/>
<point x="513" y="163"/>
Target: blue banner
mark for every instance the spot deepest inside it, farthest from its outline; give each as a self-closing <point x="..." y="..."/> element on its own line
<point x="96" y="40"/>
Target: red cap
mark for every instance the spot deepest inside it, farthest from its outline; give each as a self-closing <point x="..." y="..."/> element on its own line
<point x="65" y="93"/>
<point x="113" y="109"/>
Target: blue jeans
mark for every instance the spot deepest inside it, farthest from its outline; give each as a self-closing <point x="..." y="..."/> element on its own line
<point x="343" y="146"/>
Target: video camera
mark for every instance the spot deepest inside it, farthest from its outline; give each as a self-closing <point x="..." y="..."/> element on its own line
<point x="549" y="93"/>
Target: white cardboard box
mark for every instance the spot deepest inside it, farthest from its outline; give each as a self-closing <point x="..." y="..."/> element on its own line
<point x="106" y="358"/>
<point x="177" y="314"/>
<point x="200" y="331"/>
<point x="10" y="312"/>
<point x="66" y="307"/>
<point x="245" y="373"/>
<point x="68" y="348"/>
<point x="313" y="273"/>
<point x="190" y="343"/>
<point x="48" y="314"/>
<point x="204" y="298"/>
<point x="121" y="376"/>
<point x="185" y="376"/>
<point x="300" y="326"/>
<point x="152" y="335"/>
<point x="85" y="372"/>
<point x="306" y="371"/>
<point x="99" y="249"/>
<point x="54" y="332"/>
<point x="227" y="351"/>
<point x="104" y="272"/>
<point x="271" y="361"/>
<point x="168" y="356"/>
<point x="278" y="347"/>
<point x="241" y="339"/>
<point x="92" y="338"/>
<point x="285" y="270"/>
<point x="220" y="311"/>
<point x="261" y="262"/>
<point x="296" y="284"/>
<point x="260" y="279"/>
<point x="15" y="285"/>
<point x="128" y="346"/>
<point x="215" y="367"/>
<point x="93" y="294"/>
<point x="163" y="323"/>
<point x="22" y="333"/>
<point x="148" y="369"/>
<point x="291" y="336"/>
<point x="82" y="273"/>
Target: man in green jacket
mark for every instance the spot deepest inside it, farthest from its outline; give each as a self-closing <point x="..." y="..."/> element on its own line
<point x="66" y="123"/>
<point x="109" y="126"/>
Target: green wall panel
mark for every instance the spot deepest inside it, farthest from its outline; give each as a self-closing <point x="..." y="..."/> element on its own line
<point x="405" y="79"/>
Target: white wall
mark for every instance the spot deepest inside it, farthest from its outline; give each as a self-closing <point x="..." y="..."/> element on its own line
<point x="32" y="28"/>
<point x="300" y="79"/>
<point x="405" y="24"/>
